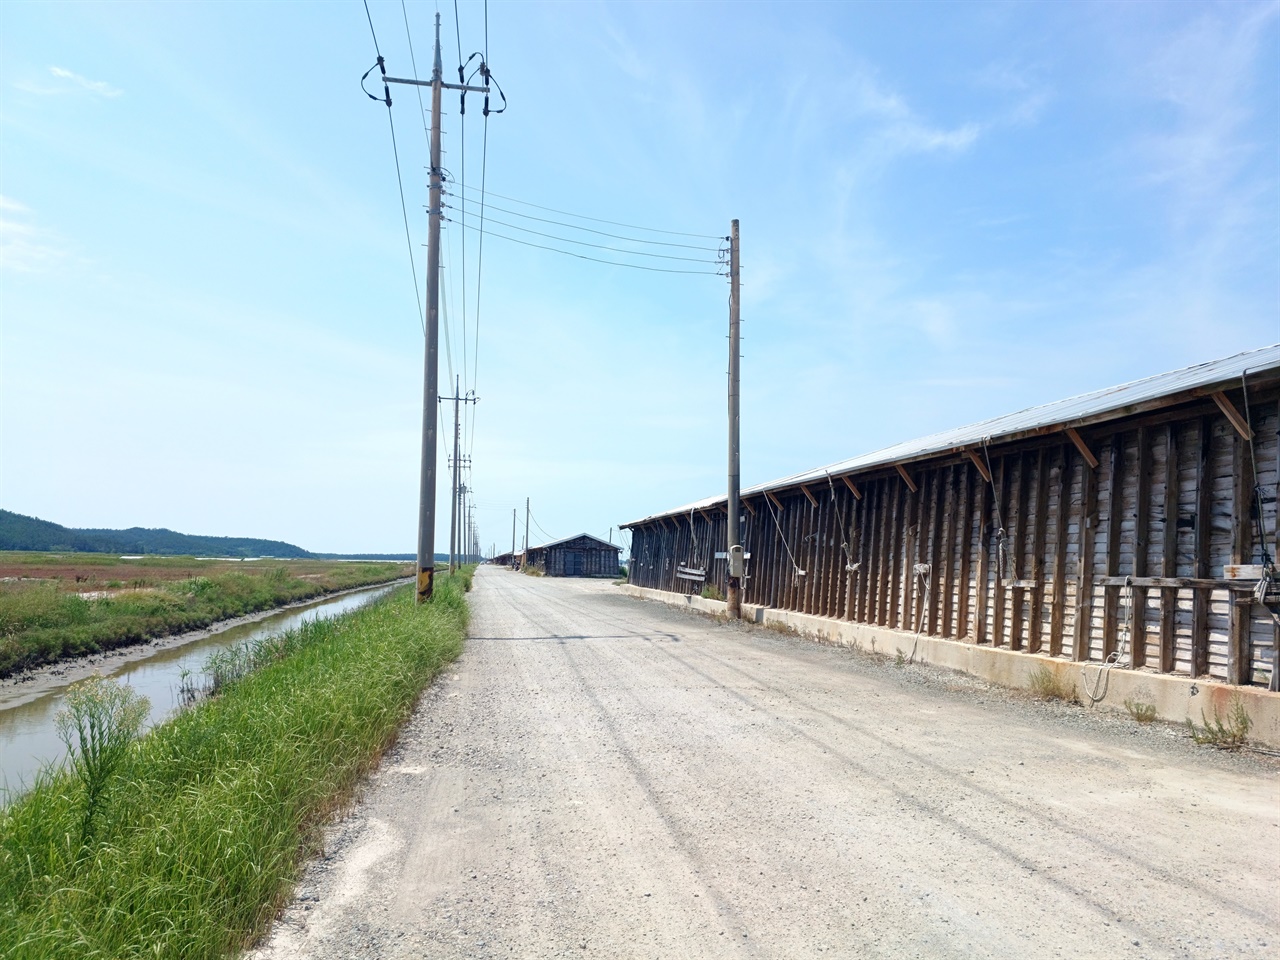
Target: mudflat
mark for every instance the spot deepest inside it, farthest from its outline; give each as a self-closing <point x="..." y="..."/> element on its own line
<point x="604" y="777"/>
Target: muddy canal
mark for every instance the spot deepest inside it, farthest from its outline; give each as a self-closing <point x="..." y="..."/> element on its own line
<point x="28" y="739"/>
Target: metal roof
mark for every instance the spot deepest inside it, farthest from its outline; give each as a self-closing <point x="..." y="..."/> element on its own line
<point x="1174" y="387"/>
<point x="576" y="536"/>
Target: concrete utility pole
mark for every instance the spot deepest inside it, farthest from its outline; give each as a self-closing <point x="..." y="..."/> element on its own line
<point x="430" y="386"/>
<point x="737" y="565"/>
<point x="525" y="558"/>
<point x="455" y="520"/>
<point x="453" y="515"/>
<point x="513" y="534"/>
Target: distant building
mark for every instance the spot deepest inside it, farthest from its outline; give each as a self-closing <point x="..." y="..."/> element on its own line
<point x="580" y="556"/>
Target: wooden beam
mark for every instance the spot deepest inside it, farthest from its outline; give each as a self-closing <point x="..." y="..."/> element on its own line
<point x="1020" y="494"/>
<point x="1231" y="413"/>
<point x="1239" y="666"/>
<point x="964" y="542"/>
<point x="1040" y="521"/>
<point x="1058" y="610"/>
<point x="774" y="500"/>
<point x="1203" y="535"/>
<point x="1141" y="538"/>
<point x="911" y="485"/>
<point x="812" y="499"/>
<point x="1082" y="447"/>
<point x="747" y="503"/>
<point x="853" y="487"/>
<point x="946" y="579"/>
<point x="1084" y="565"/>
<point x="1169" y="552"/>
<point x="1115" y="501"/>
<point x="998" y="611"/>
<point x="978" y="462"/>
<point x="980" y="593"/>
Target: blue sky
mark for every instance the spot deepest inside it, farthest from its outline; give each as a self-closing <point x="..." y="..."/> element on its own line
<point x="949" y="212"/>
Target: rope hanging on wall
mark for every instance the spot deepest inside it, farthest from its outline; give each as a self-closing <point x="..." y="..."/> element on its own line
<point x="849" y="564"/>
<point x="1002" y="547"/>
<point x="795" y="567"/>
<point x="1102" y="681"/>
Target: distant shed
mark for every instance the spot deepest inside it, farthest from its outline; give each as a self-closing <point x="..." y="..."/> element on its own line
<point x="580" y="556"/>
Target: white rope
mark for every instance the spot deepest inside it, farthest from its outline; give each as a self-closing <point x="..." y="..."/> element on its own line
<point x="1103" y="680"/>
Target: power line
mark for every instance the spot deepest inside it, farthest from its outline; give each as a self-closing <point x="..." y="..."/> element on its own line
<point x="600" y="246"/>
<point x="395" y="151"/>
<point x="583" y="256"/>
<point x="602" y="233"/>
<point x="613" y="223"/>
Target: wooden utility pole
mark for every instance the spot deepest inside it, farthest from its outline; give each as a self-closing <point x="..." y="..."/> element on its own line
<point x="737" y="566"/>
<point x="430" y="385"/>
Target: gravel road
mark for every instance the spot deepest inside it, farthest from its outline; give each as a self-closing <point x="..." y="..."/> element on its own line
<point x="606" y="777"/>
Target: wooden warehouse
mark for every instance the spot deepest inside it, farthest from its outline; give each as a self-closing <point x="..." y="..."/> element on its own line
<point x="580" y="556"/>
<point x="1106" y="525"/>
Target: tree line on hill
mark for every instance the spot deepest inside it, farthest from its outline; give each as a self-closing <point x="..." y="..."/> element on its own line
<point x="18" y="532"/>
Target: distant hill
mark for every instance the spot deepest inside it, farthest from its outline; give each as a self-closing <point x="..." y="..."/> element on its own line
<point x="30" y="533"/>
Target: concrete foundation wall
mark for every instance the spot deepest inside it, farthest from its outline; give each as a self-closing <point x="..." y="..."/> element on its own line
<point x="1173" y="697"/>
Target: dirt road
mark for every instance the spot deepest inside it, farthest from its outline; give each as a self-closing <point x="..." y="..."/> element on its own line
<point x="605" y="777"/>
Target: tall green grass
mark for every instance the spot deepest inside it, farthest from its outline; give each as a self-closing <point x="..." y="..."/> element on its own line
<point x="202" y="830"/>
<point x="45" y="622"/>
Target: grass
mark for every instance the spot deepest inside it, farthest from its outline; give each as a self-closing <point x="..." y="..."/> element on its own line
<point x="204" y="822"/>
<point x="1047" y="685"/>
<point x="1141" y="711"/>
<point x="1229" y="734"/>
<point x="58" y="607"/>
<point x="712" y="592"/>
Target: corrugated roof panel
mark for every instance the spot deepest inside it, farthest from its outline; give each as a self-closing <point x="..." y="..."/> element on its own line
<point x="1074" y="410"/>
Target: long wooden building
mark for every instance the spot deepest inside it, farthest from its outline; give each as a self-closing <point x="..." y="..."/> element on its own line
<point x="580" y="556"/>
<point x="1107" y="525"/>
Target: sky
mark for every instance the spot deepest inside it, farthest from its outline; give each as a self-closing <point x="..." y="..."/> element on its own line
<point x="209" y="312"/>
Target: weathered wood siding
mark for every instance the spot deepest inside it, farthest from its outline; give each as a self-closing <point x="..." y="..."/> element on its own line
<point x="597" y="560"/>
<point x="1035" y="559"/>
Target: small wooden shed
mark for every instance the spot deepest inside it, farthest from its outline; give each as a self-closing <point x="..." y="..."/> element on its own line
<point x="580" y="556"/>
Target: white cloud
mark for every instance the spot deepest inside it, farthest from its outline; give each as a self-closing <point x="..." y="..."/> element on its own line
<point x="70" y="83"/>
<point x="24" y="247"/>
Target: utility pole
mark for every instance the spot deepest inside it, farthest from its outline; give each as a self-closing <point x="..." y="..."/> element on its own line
<point x="453" y="515"/>
<point x="737" y="565"/>
<point x="513" y="534"/>
<point x="455" y="520"/>
<point x="431" y="373"/>
<point x="525" y="558"/>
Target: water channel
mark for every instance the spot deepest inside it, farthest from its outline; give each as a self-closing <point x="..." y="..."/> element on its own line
<point x="29" y="740"/>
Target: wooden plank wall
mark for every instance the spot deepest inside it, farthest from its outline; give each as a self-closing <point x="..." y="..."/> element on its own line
<point x="1170" y="502"/>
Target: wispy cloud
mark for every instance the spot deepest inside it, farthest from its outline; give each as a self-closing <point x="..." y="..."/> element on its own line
<point x="25" y="247"/>
<point x="67" y="81"/>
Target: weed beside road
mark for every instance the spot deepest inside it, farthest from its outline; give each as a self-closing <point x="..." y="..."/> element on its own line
<point x="54" y="608"/>
<point x="200" y="832"/>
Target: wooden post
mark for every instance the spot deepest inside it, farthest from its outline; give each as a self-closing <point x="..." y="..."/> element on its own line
<point x="1115" y="495"/>
<point x="1204" y="531"/>
<point x="965" y="544"/>
<point x="1040" y="520"/>
<point x="945" y="578"/>
<point x="1238" y="649"/>
<point x="1002" y="569"/>
<point x="1141" y="540"/>
<point x="1020" y="508"/>
<point x="1169" y="552"/>
<point x="981" y="592"/>
<point x="1084" y="562"/>
<point x="1058" y="614"/>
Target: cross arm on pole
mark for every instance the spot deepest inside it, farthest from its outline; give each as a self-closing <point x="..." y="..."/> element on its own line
<point x="428" y="83"/>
